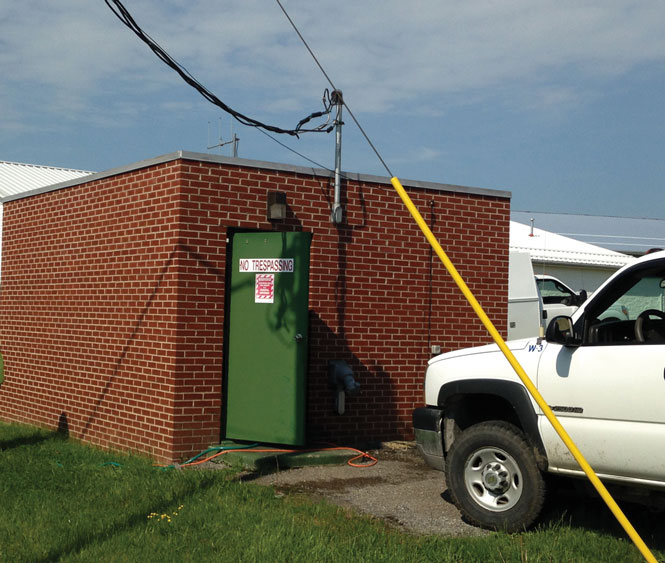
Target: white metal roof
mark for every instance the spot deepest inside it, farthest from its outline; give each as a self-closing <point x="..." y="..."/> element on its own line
<point x="550" y="247"/>
<point x="16" y="178"/>
<point x="623" y="234"/>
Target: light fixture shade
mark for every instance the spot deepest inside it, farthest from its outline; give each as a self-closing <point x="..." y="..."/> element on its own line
<point x="276" y="208"/>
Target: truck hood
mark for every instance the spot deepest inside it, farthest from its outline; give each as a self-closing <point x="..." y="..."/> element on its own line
<point x="482" y="362"/>
<point x="513" y="345"/>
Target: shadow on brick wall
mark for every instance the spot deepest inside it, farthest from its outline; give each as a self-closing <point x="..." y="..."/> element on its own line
<point x="373" y="414"/>
<point x="370" y="416"/>
<point x="137" y="327"/>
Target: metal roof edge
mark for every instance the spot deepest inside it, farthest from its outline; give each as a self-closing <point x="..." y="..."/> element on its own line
<point x="355" y="176"/>
<point x="573" y="257"/>
<point x="264" y="165"/>
<point x="96" y="176"/>
<point x="44" y="166"/>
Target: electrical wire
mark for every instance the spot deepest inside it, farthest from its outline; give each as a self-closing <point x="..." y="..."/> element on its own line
<point x="288" y="148"/>
<point x="193" y="460"/>
<point x="306" y="45"/>
<point x="222" y="450"/>
<point x="364" y="134"/>
<point x="121" y="12"/>
<point x="126" y="18"/>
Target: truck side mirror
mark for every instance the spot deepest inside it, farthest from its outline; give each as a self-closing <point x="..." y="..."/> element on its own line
<point x="560" y="331"/>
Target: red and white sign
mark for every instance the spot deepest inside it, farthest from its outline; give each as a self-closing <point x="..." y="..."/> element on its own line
<point x="264" y="288"/>
<point x="266" y="265"/>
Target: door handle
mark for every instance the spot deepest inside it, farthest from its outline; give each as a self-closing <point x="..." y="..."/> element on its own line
<point x="298" y="337"/>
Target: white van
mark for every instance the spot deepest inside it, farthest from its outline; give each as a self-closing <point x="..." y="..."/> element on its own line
<point x="533" y="300"/>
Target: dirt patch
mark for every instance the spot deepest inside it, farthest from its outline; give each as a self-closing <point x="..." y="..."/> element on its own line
<point x="334" y="485"/>
<point x="400" y="489"/>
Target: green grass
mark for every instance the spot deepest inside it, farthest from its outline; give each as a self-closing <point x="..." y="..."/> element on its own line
<point x="63" y="501"/>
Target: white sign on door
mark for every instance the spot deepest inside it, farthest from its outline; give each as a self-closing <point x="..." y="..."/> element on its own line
<point x="266" y="265"/>
<point x="264" y="288"/>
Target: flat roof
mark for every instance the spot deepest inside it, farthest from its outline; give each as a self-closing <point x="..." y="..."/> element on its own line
<point x="218" y="159"/>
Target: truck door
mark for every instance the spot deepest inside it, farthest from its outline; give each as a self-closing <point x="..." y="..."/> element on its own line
<point x="608" y="393"/>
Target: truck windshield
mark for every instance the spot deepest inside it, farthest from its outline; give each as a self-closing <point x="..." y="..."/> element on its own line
<point x="630" y="311"/>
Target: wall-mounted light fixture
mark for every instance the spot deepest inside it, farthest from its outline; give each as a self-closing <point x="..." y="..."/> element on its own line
<point x="276" y="208"/>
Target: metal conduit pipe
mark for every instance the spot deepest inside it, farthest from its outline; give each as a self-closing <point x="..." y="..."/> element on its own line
<point x="337" y="215"/>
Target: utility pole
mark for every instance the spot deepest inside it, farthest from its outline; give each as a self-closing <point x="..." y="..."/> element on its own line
<point x="337" y="210"/>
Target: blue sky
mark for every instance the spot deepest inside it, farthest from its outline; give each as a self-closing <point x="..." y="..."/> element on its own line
<point x="559" y="102"/>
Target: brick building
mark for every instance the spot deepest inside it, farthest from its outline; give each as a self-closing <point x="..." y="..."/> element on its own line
<point x="114" y="290"/>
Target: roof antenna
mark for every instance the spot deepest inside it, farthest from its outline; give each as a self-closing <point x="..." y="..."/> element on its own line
<point x="222" y="143"/>
<point x="234" y="140"/>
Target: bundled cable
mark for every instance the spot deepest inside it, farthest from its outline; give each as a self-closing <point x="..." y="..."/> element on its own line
<point x="126" y="18"/>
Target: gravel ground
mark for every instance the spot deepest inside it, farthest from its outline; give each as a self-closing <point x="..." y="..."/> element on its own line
<point x="404" y="491"/>
<point x="400" y="489"/>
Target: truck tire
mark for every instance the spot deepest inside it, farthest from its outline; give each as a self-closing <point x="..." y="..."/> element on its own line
<point x="493" y="478"/>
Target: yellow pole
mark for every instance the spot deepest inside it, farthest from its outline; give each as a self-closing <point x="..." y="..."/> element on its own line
<point x="519" y="370"/>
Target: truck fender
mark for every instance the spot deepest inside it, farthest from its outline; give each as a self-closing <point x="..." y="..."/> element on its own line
<point x="515" y="394"/>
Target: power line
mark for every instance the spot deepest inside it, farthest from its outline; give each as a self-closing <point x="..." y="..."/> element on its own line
<point x="376" y="152"/>
<point x="288" y="148"/>
<point x="126" y="18"/>
<point x="295" y="151"/>
<point x="306" y="45"/>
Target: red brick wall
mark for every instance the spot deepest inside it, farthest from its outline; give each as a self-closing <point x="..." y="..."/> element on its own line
<point x="112" y="299"/>
<point x="89" y="313"/>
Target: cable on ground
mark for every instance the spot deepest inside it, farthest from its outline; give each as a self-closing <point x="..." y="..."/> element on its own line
<point x="222" y="450"/>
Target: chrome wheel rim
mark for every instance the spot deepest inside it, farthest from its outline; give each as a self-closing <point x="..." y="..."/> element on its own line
<point x="493" y="479"/>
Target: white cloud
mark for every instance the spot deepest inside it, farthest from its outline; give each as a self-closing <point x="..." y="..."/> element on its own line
<point x="70" y="54"/>
<point x="418" y="155"/>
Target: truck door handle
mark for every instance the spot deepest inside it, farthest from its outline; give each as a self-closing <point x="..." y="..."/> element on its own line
<point x="298" y="337"/>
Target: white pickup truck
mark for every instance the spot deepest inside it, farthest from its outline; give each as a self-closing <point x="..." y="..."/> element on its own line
<point x="602" y="371"/>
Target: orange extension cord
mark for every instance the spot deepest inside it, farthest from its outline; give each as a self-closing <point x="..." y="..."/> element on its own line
<point x="351" y="462"/>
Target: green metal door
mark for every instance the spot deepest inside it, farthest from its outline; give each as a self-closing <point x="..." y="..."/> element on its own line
<point x="267" y="337"/>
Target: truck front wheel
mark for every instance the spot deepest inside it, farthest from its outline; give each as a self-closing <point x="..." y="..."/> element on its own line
<point x="493" y="477"/>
